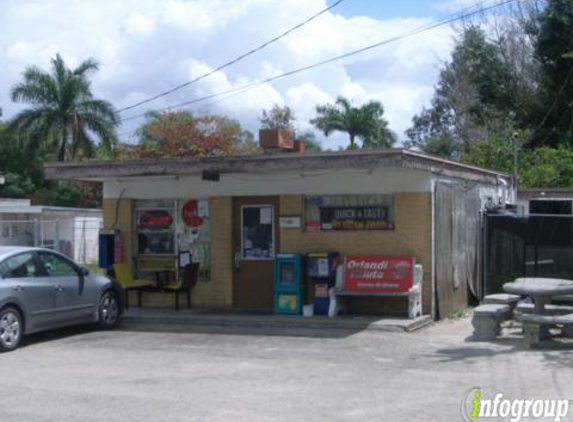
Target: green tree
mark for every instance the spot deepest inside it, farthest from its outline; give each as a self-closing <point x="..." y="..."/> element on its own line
<point x="553" y="117"/>
<point x="65" y="116"/>
<point x="547" y="167"/>
<point x="365" y="123"/>
<point x="472" y="101"/>
<point x="278" y="117"/>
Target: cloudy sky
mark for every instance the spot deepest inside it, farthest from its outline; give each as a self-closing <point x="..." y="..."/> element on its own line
<point x="145" y="47"/>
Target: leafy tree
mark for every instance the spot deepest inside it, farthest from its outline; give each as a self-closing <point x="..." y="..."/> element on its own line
<point x="493" y="153"/>
<point x="472" y="101"/>
<point x="278" y="117"/>
<point x="553" y="30"/>
<point x="365" y="122"/>
<point x="64" y="116"/>
<point x="180" y="133"/>
<point x="548" y="167"/>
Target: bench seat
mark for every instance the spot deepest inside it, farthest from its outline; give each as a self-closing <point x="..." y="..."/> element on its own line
<point x="487" y="321"/>
<point x="535" y="327"/>
<point x="529" y="308"/>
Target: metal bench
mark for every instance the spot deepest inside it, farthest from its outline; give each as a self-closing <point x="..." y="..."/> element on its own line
<point x="487" y="321"/>
<point x="414" y="294"/>
<point x="532" y="326"/>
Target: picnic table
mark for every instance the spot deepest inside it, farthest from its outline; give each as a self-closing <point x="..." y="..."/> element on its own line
<point x="542" y="290"/>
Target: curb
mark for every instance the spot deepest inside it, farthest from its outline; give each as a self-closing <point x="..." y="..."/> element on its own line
<point x="280" y="324"/>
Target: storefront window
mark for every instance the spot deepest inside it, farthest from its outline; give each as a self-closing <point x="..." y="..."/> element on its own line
<point x="155" y="226"/>
<point x="349" y="212"/>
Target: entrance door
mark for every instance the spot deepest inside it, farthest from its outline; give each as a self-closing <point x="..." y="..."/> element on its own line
<point x="255" y="240"/>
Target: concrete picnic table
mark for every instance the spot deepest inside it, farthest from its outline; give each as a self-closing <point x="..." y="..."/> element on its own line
<point x="541" y="289"/>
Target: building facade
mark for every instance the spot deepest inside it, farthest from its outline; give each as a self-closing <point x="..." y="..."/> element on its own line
<point x="233" y="214"/>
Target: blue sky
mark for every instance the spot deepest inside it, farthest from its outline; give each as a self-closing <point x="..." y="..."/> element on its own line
<point x="148" y="46"/>
<point x="380" y="9"/>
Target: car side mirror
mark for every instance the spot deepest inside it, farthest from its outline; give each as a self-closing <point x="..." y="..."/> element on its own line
<point x="84" y="272"/>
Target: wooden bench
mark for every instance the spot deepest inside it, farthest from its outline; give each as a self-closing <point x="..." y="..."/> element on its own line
<point x="533" y="323"/>
<point x="414" y="294"/>
<point x="487" y="321"/>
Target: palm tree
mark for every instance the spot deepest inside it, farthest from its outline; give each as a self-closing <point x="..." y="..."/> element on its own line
<point x="365" y="122"/>
<point x="64" y="115"/>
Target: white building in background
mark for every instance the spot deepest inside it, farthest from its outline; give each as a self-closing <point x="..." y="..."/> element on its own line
<point x="72" y="231"/>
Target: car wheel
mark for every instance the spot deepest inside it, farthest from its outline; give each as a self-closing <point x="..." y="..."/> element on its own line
<point x="108" y="310"/>
<point x="11" y="327"/>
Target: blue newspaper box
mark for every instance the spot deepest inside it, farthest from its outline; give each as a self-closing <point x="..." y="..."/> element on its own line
<point x="288" y="284"/>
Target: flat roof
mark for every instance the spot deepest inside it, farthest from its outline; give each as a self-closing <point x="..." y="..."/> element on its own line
<point x="269" y="163"/>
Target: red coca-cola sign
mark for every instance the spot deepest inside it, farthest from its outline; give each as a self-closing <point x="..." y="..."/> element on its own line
<point x="190" y="213"/>
<point x="378" y="274"/>
<point x="157" y="219"/>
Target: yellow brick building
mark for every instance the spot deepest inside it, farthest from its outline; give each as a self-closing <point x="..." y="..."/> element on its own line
<point x="426" y="201"/>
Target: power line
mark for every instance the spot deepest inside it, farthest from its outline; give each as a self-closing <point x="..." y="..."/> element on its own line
<point x="235" y="60"/>
<point x="448" y="20"/>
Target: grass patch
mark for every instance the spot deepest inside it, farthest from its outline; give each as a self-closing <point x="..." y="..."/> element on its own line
<point x="461" y="314"/>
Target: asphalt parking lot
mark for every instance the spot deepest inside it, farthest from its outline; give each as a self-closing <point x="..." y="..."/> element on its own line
<point x="150" y="372"/>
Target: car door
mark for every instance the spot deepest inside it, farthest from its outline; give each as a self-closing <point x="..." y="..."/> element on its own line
<point x="72" y="302"/>
<point x="21" y="284"/>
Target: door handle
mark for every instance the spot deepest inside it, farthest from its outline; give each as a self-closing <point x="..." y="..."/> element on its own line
<point x="18" y="288"/>
<point x="59" y="288"/>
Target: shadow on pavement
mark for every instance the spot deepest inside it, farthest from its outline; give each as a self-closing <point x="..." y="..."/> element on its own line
<point x="57" y="334"/>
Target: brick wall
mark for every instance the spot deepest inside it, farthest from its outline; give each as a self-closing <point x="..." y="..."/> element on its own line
<point x="217" y="293"/>
<point x="411" y="236"/>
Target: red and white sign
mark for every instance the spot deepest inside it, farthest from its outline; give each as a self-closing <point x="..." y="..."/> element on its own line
<point x="378" y="274"/>
<point x="190" y="213"/>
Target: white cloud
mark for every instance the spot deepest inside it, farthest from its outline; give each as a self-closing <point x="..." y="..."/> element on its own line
<point x="148" y="46"/>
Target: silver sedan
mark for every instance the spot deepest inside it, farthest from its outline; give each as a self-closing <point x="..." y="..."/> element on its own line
<point x="41" y="289"/>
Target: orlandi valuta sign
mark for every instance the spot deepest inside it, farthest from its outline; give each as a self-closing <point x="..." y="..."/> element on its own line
<point x="378" y="274"/>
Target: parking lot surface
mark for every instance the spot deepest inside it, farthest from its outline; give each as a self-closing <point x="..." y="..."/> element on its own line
<point x="170" y="372"/>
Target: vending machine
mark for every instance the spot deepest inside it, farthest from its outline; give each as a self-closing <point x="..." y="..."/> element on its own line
<point x="288" y="284"/>
<point x="321" y="274"/>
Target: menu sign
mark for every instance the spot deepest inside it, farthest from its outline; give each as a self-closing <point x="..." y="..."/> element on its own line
<point x="378" y="274"/>
<point x="354" y="218"/>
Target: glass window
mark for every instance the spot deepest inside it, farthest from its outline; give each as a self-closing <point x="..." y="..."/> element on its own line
<point x="19" y="266"/>
<point x="257" y="232"/>
<point x="287" y="273"/>
<point x="56" y="266"/>
<point x="155" y="226"/>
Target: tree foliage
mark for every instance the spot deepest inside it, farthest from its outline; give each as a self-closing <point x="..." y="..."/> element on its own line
<point x="365" y="123"/>
<point x="553" y="30"/>
<point x="180" y="133"/>
<point x="278" y="117"/>
<point x="474" y="98"/>
<point x="64" y="115"/>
